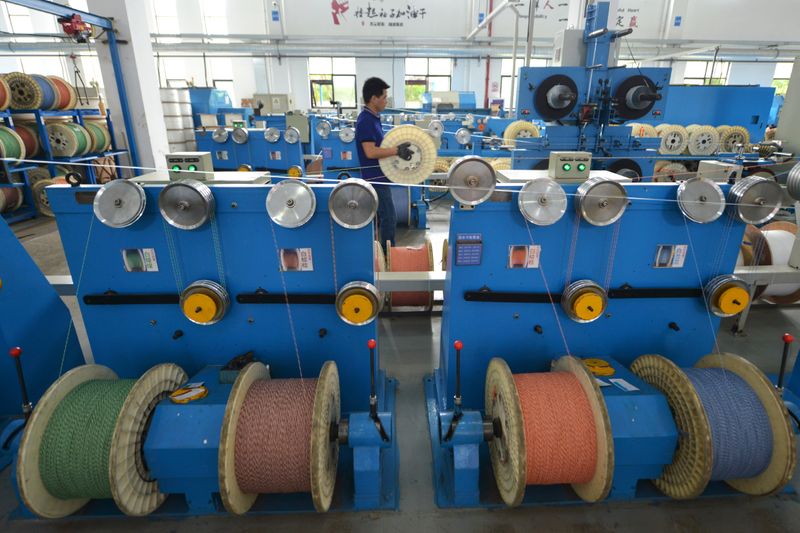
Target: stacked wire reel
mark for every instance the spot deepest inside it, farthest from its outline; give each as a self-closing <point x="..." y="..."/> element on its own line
<point x="280" y="436"/>
<point x="12" y="146"/>
<point x="519" y="130"/>
<point x="68" y="139"/>
<point x="11" y="199"/>
<point x="548" y="428"/>
<point x="410" y="259"/>
<point x="84" y="442"/>
<point x="670" y="171"/>
<point x="34" y="91"/>
<point x="177" y="108"/>
<point x="732" y="426"/>
<point x="771" y="245"/>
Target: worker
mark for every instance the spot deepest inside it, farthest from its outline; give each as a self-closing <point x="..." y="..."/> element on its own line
<point x="369" y="135"/>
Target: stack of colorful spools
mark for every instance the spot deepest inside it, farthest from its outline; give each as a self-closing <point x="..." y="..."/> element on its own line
<point x="69" y="139"/>
<point x="26" y="92"/>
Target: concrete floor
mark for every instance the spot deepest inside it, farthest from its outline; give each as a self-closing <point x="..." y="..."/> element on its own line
<point x="409" y="351"/>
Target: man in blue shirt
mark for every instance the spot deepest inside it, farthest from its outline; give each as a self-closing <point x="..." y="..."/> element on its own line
<point x="369" y="135"/>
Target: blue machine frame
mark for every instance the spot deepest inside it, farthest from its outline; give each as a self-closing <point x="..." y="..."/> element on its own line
<point x="257" y="152"/>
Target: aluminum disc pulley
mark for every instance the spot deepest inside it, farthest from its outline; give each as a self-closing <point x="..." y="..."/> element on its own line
<point x="353" y="203"/>
<point x="601" y="201"/>
<point x="119" y="203"/>
<point x="471" y="180"/>
<point x="291" y="203"/>
<point x="755" y="199"/>
<point x="701" y="200"/>
<point x="542" y="201"/>
<point x="186" y="204"/>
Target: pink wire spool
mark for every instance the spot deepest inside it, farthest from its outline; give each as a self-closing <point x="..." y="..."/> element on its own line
<point x="408" y="259"/>
<point x="276" y="437"/>
<point x="555" y="430"/>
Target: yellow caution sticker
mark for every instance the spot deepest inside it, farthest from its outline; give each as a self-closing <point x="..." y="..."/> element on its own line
<point x="188" y="393"/>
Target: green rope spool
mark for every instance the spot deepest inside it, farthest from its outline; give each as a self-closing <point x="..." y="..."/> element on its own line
<point x="10" y="146"/>
<point x="74" y="453"/>
<point x="83" y="138"/>
<point x="98" y="135"/>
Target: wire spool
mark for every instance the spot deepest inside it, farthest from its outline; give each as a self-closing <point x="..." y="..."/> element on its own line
<point x="755" y="200"/>
<point x="722" y="130"/>
<point x="727" y="295"/>
<point x="401" y="199"/>
<point x="601" y="201"/>
<point x="732" y="426"/>
<point x="36" y="174"/>
<point x="65" y="141"/>
<point x="119" y="203"/>
<point x="205" y="302"/>
<point x="554" y="429"/>
<point x="423" y="158"/>
<point x="49" y="94"/>
<point x="30" y="138"/>
<point x="410" y="259"/>
<point x="793" y="182"/>
<point x="11" y="145"/>
<point x="703" y="140"/>
<point x="5" y="94"/>
<point x="66" y="95"/>
<point x="674" y="139"/>
<point x="291" y="203"/>
<point x="701" y="200"/>
<point x="501" y="163"/>
<point x="105" y="169"/>
<point x="10" y="199"/>
<point x="670" y="171"/>
<point x="642" y="130"/>
<point x="520" y="129"/>
<point x="25" y="92"/>
<point x="186" y="204"/>
<point x="635" y="97"/>
<point x="471" y="180"/>
<point x="442" y="165"/>
<point x="542" y="201"/>
<point x="555" y="97"/>
<point x="584" y="301"/>
<point x="779" y="239"/>
<point x="300" y="453"/>
<point x="99" y="136"/>
<point x="358" y="303"/>
<point x="732" y="137"/>
<point x="39" y="193"/>
<point x="84" y="441"/>
<point x="353" y="203"/>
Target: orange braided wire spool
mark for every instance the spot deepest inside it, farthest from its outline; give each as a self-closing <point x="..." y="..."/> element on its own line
<point x="5" y="95"/>
<point x="273" y="437"/>
<point x="63" y="95"/>
<point x="560" y="433"/>
<point x="409" y="259"/>
<point x="30" y="138"/>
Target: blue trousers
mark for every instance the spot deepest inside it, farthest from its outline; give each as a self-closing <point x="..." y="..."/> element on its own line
<point x="387" y="216"/>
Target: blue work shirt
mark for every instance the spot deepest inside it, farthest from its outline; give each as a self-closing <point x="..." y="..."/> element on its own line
<point x="368" y="129"/>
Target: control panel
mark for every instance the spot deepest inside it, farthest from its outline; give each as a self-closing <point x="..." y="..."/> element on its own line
<point x="569" y="165"/>
<point x="194" y="165"/>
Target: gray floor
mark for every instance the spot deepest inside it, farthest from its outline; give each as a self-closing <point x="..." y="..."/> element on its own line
<point x="409" y="351"/>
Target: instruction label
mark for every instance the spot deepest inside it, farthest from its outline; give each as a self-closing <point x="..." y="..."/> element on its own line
<point x="624" y="385"/>
<point x="222" y="155"/>
<point x="524" y="256"/>
<point x="670" y="256"/>
<point x="275" y="156"/>
<point x="297" y="260"/>
<point x="139" y="260"/>
<point x="346" y="155"/>
<point x="469" y="248"/>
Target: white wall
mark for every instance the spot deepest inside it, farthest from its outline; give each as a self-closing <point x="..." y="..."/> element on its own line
<point x="390" y="70"/>
<point x="751" y="74"/>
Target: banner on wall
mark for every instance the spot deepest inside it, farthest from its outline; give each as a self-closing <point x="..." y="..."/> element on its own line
<point x="406" y="18"/>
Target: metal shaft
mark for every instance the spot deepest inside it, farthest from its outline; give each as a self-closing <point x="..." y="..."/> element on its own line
<point x="783" y="364"/>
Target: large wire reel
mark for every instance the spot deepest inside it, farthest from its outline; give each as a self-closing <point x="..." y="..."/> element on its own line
<point x="68" y="139"/>
<point x="471" y="180"/>
<point x="642" y="130"/>
<point x="674" y="139"/>
<point x="555" y="97"/>
<point x="733" y="136"/>
<point x="423" y="157"/>
<point x="11" y="145"/>
<point x="635" y="97"/>
<point x="703" y="140"/>
<point x="25" y="92"/>
<point x="520" y="129"/>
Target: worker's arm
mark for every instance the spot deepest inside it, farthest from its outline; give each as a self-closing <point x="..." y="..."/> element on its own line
<point x="376" y="152"/>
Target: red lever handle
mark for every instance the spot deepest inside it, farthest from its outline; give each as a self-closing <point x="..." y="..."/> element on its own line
<point x="371" y="344"/>
<point x="15" y="352"/>
<point x="458" y="345"/>
<point x="787" y="338"/>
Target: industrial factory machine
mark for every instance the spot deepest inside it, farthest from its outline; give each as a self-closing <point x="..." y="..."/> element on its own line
<point x="233" y="338"/>
<point x="578" y="347"/>
<point x="241" y="148"/>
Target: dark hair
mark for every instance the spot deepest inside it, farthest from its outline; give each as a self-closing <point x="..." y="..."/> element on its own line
<point x="373" y="87"/>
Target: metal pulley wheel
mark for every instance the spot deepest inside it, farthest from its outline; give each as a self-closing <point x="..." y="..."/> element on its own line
<point x="793" y="182"/>
<point x="436" y="129"/>
<point x="272" y="135"/>
<point x="347" y="135"/>
<point x="463" y="136"/>
<point x="555" y="97"/>
<point x="703" y="140"/>
<point x="727" y="295"/>
<point x="542" y="201"/>
<point x="584" y="301"/>
<point x="353" y="203"/>
<point x="291" y="203"/>
<point x="701" y="200"/>
<point x="323" y="128"/>
<point x="291" y="135"/>
<point x="240" y="135"/>
<point x="674" y="139"/>
<point x="358" y="303"/>
<point x="471" y="180"/>
<point x="186" y="204"/>
<point x="601" y="201"/>
<point x="755" y="199"/>
<point x="423" y="155"/>
<point x="205" y="302"/>
<point x="119" y="203"/>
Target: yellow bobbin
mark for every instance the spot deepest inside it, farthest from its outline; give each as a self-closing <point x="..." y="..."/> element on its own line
<point x="358" y="303"/>
<point x="588" y="306"/>
<point x="599" y="367"/>
<point x="295" y="171"/>
<point x="357" y="308"/>
<point x="733" y="300"/>
<point x="200" y="308"/>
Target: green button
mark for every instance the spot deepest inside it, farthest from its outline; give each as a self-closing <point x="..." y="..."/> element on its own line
<point x="581" y="167"/>
<point x="176" y="168"/>
<point x="567" y="167"/>
<point x="192" y="168"/>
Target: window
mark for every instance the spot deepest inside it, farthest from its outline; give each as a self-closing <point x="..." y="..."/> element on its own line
<point x="425" y="75"/>
<point x="176" y="84"/>
<point x="332" y="79"/>
<point x="166" y="15"/>
<point x="706" y="73"/>
<point x="783" y="71"/>
<point x="227" y="85"/>
<point x="506" y="72"/>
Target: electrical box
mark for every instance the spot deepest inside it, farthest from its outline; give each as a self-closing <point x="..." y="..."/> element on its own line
<point x="569" y="49"/>
<point x="194" y="165"/>
<point x="299" y="120"/>
<point x="273" y="103"/>
<point x="569" y="165"/>
<point x="719" y="171"/>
